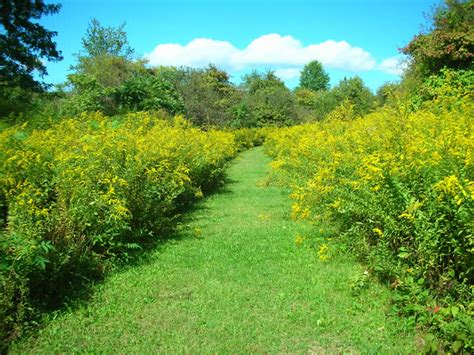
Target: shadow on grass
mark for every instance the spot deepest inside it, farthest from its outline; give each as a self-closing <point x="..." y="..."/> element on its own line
<point x="75" y="285"/>
<point x="186" y="214"/>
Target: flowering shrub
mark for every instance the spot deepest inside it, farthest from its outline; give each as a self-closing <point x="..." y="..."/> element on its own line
<point x="400" y="188"/>
<point x="92" y="188"/>
<point x="246" y="138"/>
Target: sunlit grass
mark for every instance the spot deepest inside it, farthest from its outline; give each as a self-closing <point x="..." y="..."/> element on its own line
<point x="235" y="280"/>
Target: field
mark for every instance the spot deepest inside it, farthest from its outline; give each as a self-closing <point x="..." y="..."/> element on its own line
<point x="236" y="187"/>
<point x="397" y="190"/>
<point x="393" y="191"/>
<point x="233" y="278"/>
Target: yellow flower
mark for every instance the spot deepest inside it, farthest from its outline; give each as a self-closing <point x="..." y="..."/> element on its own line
<point x="323" y="252"/>
<point x="197" y="232"/>
<point x="378" y="231"/>
<point x="407" y="216"/>
<point x="299" y="239"/>
<point x="198" y="193"/>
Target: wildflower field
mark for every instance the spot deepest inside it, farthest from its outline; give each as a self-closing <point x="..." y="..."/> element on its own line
<point x="92" y="189"/>
<point x="397" y="187"/>
<point x="276" y="191"/>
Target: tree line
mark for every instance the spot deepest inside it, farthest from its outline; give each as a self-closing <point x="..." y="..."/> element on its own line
<point x="108" y="77"/>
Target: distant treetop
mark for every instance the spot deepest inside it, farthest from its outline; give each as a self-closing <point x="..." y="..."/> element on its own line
<point x="101" y="41"/>
<point x="314" y="77"/>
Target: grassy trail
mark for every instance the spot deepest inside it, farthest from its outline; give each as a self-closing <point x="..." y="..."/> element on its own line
<point x="234" y="281"/>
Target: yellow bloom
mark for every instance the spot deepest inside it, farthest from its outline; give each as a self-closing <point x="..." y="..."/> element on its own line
<point x="378" y="231"/>
<point x="323" y="252"/>
<point x="299" y="239"/>
<point x="407" y="216"/>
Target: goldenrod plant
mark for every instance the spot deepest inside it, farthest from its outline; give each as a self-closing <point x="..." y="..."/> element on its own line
<point x="90" y="189"/>
<point x="400" y="187"/>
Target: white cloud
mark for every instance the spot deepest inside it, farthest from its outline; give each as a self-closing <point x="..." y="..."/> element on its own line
<point x="393" y="65"/>
<point x="284" y="53"/>
<point x="272" y="49"/>
<point x="288" y="73"/>
<point x="198" y="52"/>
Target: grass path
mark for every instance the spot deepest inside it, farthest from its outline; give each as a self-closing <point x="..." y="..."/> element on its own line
<point x="233" y="282"/>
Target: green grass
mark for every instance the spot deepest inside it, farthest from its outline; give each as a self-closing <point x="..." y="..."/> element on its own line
<point x="232" y="281"/>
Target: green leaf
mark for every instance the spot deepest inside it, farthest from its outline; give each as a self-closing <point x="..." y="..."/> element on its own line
<point x="456" y="346"/>
<point x="404" y="255"/>
<point x="429" y="337"/>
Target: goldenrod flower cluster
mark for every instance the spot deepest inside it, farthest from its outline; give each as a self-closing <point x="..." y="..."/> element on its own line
<point x="93" y="187"/>
<point x="251" y="137"/>
<point x="399" y="184"/>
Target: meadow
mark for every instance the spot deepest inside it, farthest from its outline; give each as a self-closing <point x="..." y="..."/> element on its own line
<point x="166" y="208"/>
<point x="392" y="190"/>
<point x="84" y="192"/>
<point x="397" y="190"/>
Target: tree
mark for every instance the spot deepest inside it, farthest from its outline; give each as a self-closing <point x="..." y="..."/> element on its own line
<point x="147" y="92"/>
<point x="102" y="41"/>
<point x="106" y="77"/>
<point x="355" y="91"/>
<point x="272" y="106"/>
<point x="450" y="43"/>
<point x="170" y="74"/>
<point x="23" y="43"/>
<point x="106" y="55"/>
<point x="313" y="77"/>
<point x="385" y="92"/>
<point x="208" y="95"/>
<point x="315" y="105"/>
<point x="255" y="81"/>
<point x="267" y="101"/>
<point x="108" y="70"/>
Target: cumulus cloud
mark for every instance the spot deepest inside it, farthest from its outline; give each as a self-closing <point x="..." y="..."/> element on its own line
<point x="285" y="53"/>
<point x="393" y="65"/>
<point x="288" y="73"/>
<point x="198" y="52"/>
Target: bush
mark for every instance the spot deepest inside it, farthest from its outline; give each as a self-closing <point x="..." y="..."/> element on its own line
<point x="266" y="102"/>
<point x="355" y="91"/>
<point x="271" y="106"/>
<point x="448" y="88"/>
<point x="207" y="93"/>
<point x="246" y="138"/>
<point x="400" y="188"/>
<point x="146" y="92"/>
<point x="88" y="190"/>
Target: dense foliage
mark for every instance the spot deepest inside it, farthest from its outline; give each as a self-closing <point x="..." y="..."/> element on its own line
<point x="101" y="41"/>
<point x="23" y="42"/>
<point x="399" y="186"/>
<point x="107" y="78"/>
<point x="450" y="42"/>
<point x="267" y="101"/>
<point x="313" y="77"/>
<point x="207" y="94"/>
<point x="90" y="189"/>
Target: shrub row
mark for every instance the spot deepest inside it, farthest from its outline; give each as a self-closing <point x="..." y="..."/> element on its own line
<point x="399" y="186"/>
<point x="90" y="189"/>
<point x="246" y="138"/>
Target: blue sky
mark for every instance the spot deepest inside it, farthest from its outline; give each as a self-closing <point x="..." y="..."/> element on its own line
<point x="349" y="37"/>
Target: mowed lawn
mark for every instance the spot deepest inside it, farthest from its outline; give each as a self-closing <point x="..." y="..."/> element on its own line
<point x="233" y="280"/>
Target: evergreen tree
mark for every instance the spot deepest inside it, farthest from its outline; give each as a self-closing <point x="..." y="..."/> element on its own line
<point x="314" y="77"/>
